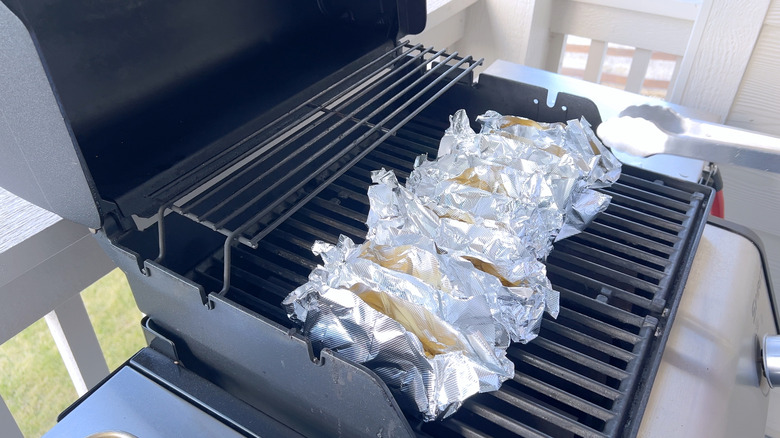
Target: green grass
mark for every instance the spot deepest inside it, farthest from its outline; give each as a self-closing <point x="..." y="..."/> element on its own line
<point x="34" y="383"/>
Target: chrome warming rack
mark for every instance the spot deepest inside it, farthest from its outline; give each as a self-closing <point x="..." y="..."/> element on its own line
<point x="304" y="150"/>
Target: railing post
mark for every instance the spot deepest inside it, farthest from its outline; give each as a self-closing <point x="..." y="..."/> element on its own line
<point x="638" y="71"/>
<point x="598" y="49"/>
<point x="78" y="345"/>
<point x="8" y="426"/>
<point x="556" y="52"/>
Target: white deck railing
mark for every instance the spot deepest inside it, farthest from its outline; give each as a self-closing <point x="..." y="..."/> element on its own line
<point x="45" y="263"/>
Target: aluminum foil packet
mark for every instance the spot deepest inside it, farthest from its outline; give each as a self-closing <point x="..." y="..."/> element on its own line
<point x="452" y="270"/>
<point x="561" y="162"/>
<point x="489" y="245"/>
<point x="422" y="321"/>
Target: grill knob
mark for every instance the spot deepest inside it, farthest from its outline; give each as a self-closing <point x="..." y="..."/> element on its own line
<point x="771" y="353"/>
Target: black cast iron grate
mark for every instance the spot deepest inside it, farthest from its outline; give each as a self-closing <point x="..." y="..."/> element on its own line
<point x="587" y="373"/>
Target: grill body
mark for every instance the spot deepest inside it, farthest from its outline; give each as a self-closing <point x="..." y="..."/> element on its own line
<point x="588" y="373"/>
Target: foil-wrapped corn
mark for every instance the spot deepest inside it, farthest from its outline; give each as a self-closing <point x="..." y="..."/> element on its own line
<point x="452" y="270"/>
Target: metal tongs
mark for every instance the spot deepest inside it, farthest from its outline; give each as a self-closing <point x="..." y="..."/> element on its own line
<point x="648" y="130"/>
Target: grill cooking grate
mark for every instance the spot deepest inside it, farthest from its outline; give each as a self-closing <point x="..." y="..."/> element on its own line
<point x="586" y="373"/>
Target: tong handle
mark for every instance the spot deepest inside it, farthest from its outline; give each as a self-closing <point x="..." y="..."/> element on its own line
<point x="648" y="130"/>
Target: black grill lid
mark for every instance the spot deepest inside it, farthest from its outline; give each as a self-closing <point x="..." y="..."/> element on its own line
<point x="150" y="89"/>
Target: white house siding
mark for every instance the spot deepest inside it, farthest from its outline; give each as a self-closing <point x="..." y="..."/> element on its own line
<point x="753" y="197"/>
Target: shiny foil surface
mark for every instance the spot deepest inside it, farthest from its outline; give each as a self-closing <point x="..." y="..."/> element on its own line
<point x="451" y="271"/>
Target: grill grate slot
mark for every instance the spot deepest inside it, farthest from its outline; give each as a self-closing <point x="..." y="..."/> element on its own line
<point x="609" y="276"/>
<point x="624" y="319"/>
<point x="656" y="186"/>
<point x="591" y="342"/>
<point x="646" y="207"/>
<point x="610" y="331"/>
<point x="655" y="198"/>
<point x="619" y="235"/>
<point x="514" y="401"/>
<point x="579" y="376"/>
<point x="580" y="404"/>
<point x="636" y="255"/>
<point x="582" y="360"/>
<point x="651" y="222"/>
<point x="637" y="229"/>
<point x="567" y="276"/>
<point x="563" y="377"/>
<point x="610" y="260"/>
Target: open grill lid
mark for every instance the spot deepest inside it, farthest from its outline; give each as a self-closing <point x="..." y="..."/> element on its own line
<point x="107" y="101"/>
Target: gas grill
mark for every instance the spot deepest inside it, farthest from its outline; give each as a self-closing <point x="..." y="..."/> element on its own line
<point x="211" y="145"/>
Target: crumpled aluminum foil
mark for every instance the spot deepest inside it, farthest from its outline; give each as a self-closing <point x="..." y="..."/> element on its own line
<point x="567" y="160"/>
<point x="451" y="270"/>
<point x="384" y="321"/>
<point x="488" y="244"/>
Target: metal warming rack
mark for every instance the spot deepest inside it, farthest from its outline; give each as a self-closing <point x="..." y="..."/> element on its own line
<point x="300" y="153"/>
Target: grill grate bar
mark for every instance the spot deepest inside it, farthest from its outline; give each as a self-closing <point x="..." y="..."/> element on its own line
<point x="589" y="341"/>
<point x="614" y="276"/>
<point x="347" y="192"/>
<point x="578" y="403"/>
<point x="252" y="262"/>
<point x="289" y="118"/>
<point x="634" y="181"/>
<point x="608" y="259"/>
<point x="437" y="79"/>
<point x="601" y="308"/>
<point x="600" y="286"/>
<point x="621" y="249"/>
<point x="644" y="206"/>
<point x="342" y="228"/>
<point x="636" y="228"/>
<point x="566" y="374"/>
<point x="356" y="183"/>
<point x="429" y="128"/>
<point x="643" y="218"/>
<point x="320" y="150"/>
<point x="598" y="325"/>
<point x="412" y="146"/>
<point x="314" y="232"/>
<point x="467" y="431"/>
<point x="339" y="209"/>
<point x="432" y="143"/>
<point x="290" y="256"/>
<point x="283" y="238"/>
<point x="580" y="358"/>
<point x="503" y="421"/>
<point x="647" y="195"/>
<point x="597" y="227"/>
<point x="357" y="177"/>
<point x="391" y="157"/>
<point x="545" y="413"/>
<point x="407" y="157"/>
<point x="370" y="165"/>
<point x="247" y="278"/>
<point x="245" y="298"/>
